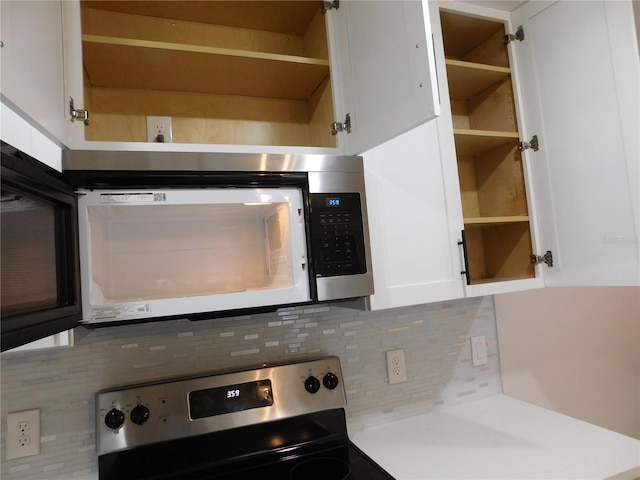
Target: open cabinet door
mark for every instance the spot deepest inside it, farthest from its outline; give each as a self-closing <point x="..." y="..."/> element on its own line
<point x="32" y="66"/>
<point x="384" y="69"/>
<point x="578" y="66"/>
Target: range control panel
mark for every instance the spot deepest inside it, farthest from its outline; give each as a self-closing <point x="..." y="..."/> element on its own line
<point x="143" y="414"/>
<point x="337" y="234"/>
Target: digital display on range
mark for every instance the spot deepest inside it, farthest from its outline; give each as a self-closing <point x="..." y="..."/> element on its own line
<point x="231" y="398"/>
<point x="333" y="202"/>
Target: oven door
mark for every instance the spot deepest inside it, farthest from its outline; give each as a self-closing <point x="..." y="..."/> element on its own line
<point x="40" y="292"/>
<point x="182" y="252"/>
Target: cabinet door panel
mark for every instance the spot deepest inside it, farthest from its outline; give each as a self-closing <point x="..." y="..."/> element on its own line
<point x="32" y="64"/>
<point x="585" y="193"/>
<point x="414" y="220"/>
<point x="386" y="69"/>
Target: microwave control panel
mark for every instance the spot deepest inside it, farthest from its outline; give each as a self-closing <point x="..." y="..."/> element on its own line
<point x="337" y="234"/>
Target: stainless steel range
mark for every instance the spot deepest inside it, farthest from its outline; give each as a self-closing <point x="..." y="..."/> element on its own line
<point x="274" y="422"/>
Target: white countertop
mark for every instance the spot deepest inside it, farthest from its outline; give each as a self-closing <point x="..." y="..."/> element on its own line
<point x="499" y="438"/>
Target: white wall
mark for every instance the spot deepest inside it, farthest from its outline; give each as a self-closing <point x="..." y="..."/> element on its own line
<point x="575" y="351"/>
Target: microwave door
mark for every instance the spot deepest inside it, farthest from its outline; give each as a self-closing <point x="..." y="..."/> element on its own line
<point x="40" y="294"/>
<point x="29" y="257"/>
<point x="181" y="252"/>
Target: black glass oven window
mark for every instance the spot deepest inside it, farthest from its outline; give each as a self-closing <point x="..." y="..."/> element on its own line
<point x="230" y="398"/>
<point x="29" y="253"/>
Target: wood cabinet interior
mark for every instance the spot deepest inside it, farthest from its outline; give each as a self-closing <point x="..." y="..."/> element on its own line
<point x="227" y="72"/>
<point x="492" y="183"/>
<point x="499" y="252"/>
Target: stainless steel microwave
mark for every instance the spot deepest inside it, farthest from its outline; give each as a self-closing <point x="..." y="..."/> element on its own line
<point x="167" y="235"/>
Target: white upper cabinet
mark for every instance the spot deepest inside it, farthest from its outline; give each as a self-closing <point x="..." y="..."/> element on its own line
<point x="480" y="133"/>
<point x="385" y="69"/>
<point x="32" y="65"/>
<point x="580" y="85"/>
<point x="415" y="219"/>
<point x="415" y="211"/>
<point x="573" y="82"/>
<point x="250" y="76"/>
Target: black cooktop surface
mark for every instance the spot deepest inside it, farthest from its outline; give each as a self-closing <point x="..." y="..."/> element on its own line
<point x="312" y="447"/>
<point x="342" y="463"/>
<point x="345" y="462"/>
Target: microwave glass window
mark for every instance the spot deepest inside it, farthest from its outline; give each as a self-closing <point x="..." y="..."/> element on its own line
<point x="146" y="252"/>
<point x="29" y="258"/>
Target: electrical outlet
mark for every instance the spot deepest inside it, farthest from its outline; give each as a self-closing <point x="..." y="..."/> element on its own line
<point x="23" y="433"/>
<point x="159" y="130"/>
<point x="396" y="366"/>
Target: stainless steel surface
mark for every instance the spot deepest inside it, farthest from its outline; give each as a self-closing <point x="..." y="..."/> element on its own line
<point x="350" y="286"/>
<point x="169" y="411"/>
<point x="194" y="161"/>
<point x="332" y="181"/>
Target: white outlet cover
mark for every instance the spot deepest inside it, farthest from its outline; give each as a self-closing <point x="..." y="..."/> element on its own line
<point x="156" y="125"/>
<point x="23" y="433"/>
<point x="396" y="366"/>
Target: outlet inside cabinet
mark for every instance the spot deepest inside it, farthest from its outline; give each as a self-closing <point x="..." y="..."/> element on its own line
<point x="159" y="129"/>
<point x="227" y="72"/>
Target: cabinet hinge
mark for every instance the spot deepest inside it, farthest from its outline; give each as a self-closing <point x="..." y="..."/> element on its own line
<point x="546" y="258"/>
<point x="326" y="5"/>
<point x="533" y="144"/>
<point x="77" y="113"/>
<point x="510" y="37"/>
<point x="342" y="127"/>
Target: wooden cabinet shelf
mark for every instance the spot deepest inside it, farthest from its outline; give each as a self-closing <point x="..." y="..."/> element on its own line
<point x="151" y="65"/>
<point x="468" y="79"/>
<point x="477" y="142"/>
<point x="477" y="222"/>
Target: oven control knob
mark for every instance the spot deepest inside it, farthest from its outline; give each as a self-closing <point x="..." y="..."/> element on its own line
<point x="114" y="419"/>
<point x="330" y="381"/>
<point x="139" y="414"/>
<point x="312" y="384"/>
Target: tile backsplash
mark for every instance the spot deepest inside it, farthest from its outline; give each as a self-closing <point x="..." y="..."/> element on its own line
<point x="62" y="382"/>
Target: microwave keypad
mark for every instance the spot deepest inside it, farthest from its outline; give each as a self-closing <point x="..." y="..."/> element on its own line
<point x="338" y="240"/>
